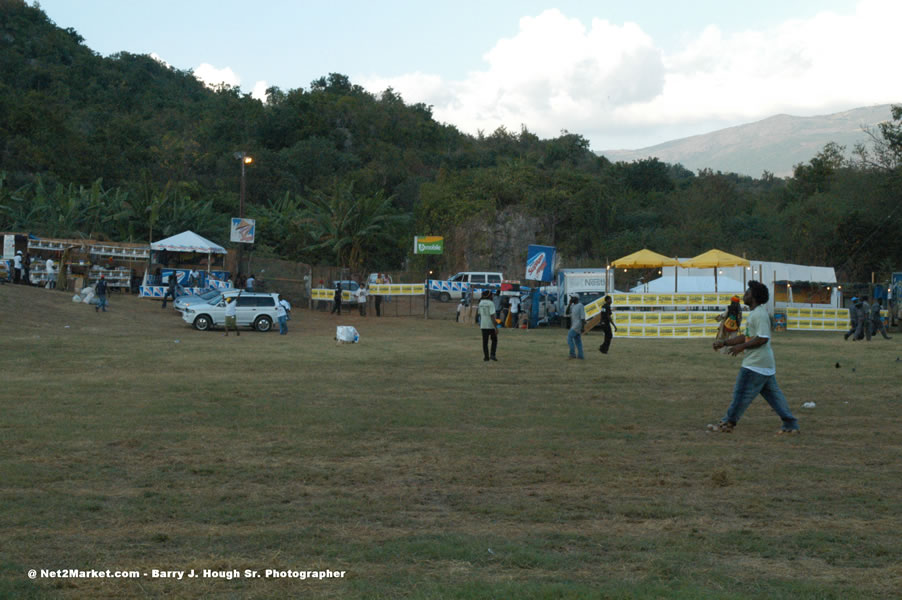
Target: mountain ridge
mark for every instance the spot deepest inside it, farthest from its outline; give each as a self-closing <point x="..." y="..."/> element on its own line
<point x="774" y="144"/>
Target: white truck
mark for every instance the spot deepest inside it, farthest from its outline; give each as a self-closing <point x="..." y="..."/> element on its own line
<point x="588" y="284"/>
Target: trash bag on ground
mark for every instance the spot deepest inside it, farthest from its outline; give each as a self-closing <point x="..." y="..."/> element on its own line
<point x="347" y="334"/>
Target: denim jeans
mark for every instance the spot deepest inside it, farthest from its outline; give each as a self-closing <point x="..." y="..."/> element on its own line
<point x="283" y="325"/>
<point x="748" y="385"/>
<point x="575" y="341"/>
<point x="101" y="303"/>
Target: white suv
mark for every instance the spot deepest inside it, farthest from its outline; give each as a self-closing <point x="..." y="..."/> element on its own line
<point x="254" y="309"/>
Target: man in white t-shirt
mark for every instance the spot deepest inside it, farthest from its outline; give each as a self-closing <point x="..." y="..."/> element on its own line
<point x="231" y="314"/>
<point x="758" y="374"/>
<point x="361" y="300"/>
<point x="515" y="312"/>
<point x="17" y="267"/>
<point x="51" y="274"/>
<point x="282" y="316"/>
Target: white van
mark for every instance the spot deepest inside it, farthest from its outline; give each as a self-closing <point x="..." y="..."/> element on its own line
<point x="254" y="309"/>
<point x="453" y="288"/>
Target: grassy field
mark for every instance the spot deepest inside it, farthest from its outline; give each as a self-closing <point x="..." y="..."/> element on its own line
<point x="132" y="442"/>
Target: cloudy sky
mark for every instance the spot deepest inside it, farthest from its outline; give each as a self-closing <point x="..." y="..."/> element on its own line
<point x="623" y="74"/>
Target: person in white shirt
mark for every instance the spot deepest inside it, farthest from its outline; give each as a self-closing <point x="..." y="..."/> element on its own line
<point x="282" y="315"/>
<point x="577" y="323"/>
<point x="51" y="274"/>
<point x="287" y="305"/>
<point x="17" y="267"/>
<point x="758" y="374"/>
<point x="361" y="300"/>
<point x="515" y="311"/>
<point x="231" y="313"/>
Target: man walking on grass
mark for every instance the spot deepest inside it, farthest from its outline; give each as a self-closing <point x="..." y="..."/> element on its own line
<point x="486" y="316"/>
<point x="100" y="291"/>
<point x="758" y="372"/>
<point x="577" y="322"/>
<point x="607" y="321"/>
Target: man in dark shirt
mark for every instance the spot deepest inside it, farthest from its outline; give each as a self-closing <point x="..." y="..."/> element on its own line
<point x="607" y="321"/>
<point x="170" y="289"/>
<point x="100" y="292"/>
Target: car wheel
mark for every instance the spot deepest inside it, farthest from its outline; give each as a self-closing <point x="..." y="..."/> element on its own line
<point x="444" y="296"/>
<point x="203" y="323"/>
<point x="263" y="324"/>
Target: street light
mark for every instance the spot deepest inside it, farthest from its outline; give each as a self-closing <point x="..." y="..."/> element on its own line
<point x="245" y="159"/>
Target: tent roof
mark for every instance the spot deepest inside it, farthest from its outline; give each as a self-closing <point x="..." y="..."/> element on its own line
<point x="716" y="258"/>
<point x="188" y="241"/>
<point x="644" y="259"/>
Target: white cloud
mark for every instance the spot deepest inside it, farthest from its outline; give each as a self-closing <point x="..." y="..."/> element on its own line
<point x="259" y="91"/>
<point x="605" y="79"/>
<point x="213" y="77"/>
<point x="160" y="60"/>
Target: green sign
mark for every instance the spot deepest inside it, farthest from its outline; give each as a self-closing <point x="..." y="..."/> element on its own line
<point x="432" y="244"/>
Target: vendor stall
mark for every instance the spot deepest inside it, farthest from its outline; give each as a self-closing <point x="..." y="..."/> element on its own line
<point x="79" y="263"/>
<point x="190" y="256"/>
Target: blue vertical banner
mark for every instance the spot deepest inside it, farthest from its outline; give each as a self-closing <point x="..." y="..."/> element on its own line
<point x="540" y="263"/>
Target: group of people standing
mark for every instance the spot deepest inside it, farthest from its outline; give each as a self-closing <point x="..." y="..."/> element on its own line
<point x="577" y="313"/>
<point x="865" y="320"/>
<point x="21" y="272"/>
<point x="358" y="298"/>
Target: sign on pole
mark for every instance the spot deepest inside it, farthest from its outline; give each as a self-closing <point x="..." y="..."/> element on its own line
<point x="243" y="230"/>
<point x="539" y="263"/>
<point x="432" y="244"/>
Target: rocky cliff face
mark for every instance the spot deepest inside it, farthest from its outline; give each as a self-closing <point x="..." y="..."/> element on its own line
<point x="495" y="243"/>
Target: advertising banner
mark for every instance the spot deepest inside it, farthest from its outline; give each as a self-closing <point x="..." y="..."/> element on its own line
<point x="431" y="244"/>
<point x="243" y="230"/>
<point x="539" y="263"/>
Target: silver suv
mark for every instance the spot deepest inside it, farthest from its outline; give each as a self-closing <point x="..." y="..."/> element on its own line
<point x="254" y="309"/>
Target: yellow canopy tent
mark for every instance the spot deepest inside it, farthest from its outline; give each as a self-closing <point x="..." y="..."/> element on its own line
<point x="714" y="259"/>
<point x="647" y="259"/>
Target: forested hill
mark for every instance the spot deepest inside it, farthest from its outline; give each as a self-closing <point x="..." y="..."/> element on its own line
<point x="118" y="146"/>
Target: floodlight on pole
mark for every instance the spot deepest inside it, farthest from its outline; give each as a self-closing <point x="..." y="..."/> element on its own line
<point x="245" y="159"/>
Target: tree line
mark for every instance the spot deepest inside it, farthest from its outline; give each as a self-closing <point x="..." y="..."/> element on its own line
<point x="123" y="147"/>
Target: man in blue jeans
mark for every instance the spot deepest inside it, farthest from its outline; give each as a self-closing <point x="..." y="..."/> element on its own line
<point x="577" y="322"/>
<point x="758" y="372"/>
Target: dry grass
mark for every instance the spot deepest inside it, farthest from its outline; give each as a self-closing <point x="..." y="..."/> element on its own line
<point x="426" y="473"/>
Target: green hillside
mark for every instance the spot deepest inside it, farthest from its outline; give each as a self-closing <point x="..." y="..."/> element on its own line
<point x="127" y="148"/>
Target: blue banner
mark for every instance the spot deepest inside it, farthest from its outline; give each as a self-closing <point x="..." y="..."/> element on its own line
<point x="539" y="263"/>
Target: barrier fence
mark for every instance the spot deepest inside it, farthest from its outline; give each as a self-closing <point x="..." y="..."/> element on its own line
<point x="390" y="295"/>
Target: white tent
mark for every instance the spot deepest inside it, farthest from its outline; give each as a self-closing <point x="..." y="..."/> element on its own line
<point x="188" y="241"/>
<point x="689" y="283"/>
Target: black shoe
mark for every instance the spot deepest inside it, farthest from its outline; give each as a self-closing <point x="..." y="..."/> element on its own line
<point x="493" y="358"/>
<point x="486" y="359"/>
